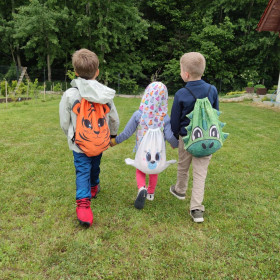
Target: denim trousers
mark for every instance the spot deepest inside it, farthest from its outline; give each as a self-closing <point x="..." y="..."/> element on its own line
<point x="87" y="173"/>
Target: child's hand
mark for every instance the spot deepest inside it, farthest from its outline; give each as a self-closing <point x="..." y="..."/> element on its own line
<point x="172" y="147"/>
<point x="113" y="142"/>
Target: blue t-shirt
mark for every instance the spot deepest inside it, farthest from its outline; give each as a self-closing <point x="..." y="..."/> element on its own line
<point x="184" y="102"/>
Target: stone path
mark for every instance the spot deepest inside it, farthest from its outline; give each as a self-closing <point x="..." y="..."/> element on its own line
<point x="258" y="99"/>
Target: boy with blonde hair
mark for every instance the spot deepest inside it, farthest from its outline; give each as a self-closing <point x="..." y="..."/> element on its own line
<point x="86" y="66"/>
<point x="192" y="66"/>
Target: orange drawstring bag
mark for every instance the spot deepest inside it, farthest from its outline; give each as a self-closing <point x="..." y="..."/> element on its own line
<point x="92" y="134"/>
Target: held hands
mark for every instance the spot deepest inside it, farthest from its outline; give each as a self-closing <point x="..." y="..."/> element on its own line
<point x="113" y="142"/>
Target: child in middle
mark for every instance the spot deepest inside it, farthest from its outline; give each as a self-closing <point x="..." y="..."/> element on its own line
<point x="152" y="112"/>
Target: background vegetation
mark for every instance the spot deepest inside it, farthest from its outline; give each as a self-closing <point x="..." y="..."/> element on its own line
<point x="41" y="238"/>
<point x="140" y="40"/>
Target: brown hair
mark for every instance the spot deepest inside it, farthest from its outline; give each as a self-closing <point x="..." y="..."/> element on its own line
<point x="85" y="63"/>
<point x="194" y="63"/>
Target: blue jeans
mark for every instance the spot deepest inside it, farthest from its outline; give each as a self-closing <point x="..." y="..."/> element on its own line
<point x="87" y="173"/>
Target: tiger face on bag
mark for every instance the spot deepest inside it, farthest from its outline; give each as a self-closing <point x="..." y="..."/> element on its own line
<point x="92" y="134"/>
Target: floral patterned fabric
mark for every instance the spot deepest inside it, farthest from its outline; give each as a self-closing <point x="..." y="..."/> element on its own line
<point x="154" y="106"/>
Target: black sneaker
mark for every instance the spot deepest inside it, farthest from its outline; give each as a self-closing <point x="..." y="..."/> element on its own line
<point x="141" y="198"/>
<point x="197" y="215"/>
<point x="178" y="195"/>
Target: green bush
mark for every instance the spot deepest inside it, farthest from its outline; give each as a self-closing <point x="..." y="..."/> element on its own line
<point x="34" y="88"/>
<point x="3" y="88"/>
<point x="128" y="86"/>
<point x="235" y="92"/>
<point x="22" y="89"/>
<point x="259" y="86"/>
<point x="266" y="98"/>
<point x="57" y="87"/>
<point x="250" y="84"/>
<point x="31" y="88"/>
<point x="53" y="85"/>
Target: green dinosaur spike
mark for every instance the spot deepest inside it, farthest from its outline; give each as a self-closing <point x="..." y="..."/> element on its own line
<point x="189" y="127"/>
<point x="190" y="115"/>
<point x="225" y="135"/>
<point x="222" y="124"/>
<point x="186" y="139"/>
<point x="218" y="113"/>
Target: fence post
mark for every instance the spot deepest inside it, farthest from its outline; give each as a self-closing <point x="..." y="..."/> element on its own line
<point x="119" y="83"/>
<point x="44" y="91"/>
<point x="27" y="89"/>
<point x="278" y="90"/>
<point x="6" y="89"/>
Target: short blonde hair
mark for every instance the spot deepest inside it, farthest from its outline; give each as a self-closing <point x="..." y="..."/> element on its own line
<point x="85" y="63"/>
<point x="194" y="63"/>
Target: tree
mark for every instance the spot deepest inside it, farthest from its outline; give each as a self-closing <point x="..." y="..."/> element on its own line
<point x="36" y="29"/>
<point x="242" y="49"/>
<point x="224" y="31"/>
<point x="113" y="29"/>
<point x="7" y="30"/>
<point x="143" y="40"/>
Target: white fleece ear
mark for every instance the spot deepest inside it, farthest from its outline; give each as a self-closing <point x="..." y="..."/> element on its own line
<point x="130" y="161"/>
<point x="172" y="161"/>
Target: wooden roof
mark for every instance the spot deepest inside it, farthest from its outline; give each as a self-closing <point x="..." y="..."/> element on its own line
<point x="270" y="20"/>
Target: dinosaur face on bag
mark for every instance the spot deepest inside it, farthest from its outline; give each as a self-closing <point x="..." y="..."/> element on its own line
<point x="205" y="135"/>
<point x="92" y="132"/>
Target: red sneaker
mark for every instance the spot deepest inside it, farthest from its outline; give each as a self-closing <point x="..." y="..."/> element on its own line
<point x="84" y="213"/>
<point x="94" y="191"/>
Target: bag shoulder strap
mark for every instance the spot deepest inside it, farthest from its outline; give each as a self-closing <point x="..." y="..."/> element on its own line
<point x="194" y="94"/>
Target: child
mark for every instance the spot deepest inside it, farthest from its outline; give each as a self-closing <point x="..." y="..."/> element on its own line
<point x="192" y="68"/>
<point x="86" y="65"/>
<point x="155" y="102"/>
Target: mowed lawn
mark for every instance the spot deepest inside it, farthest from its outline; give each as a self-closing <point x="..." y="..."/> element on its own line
<point x="40" y="237"/>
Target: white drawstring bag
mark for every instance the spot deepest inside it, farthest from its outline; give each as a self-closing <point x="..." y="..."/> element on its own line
<point x="150" y="157"/>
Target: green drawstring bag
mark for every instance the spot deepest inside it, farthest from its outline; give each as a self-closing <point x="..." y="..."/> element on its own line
<point x="205" y="135"/>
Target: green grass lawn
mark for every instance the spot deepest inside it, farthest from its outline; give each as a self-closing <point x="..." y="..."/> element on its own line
<point x="40" y="237"/>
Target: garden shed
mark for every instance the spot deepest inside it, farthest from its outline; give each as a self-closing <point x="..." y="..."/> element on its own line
<point x="270" y="21"/>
